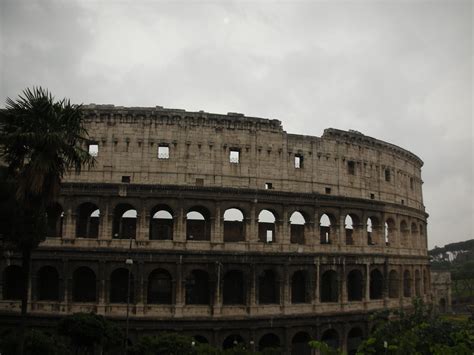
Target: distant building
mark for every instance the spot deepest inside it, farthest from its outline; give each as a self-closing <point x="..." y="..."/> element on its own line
<point x="441" y="290"/>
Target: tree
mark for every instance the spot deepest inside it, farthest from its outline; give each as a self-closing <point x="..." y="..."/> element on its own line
<point x="39" y="142"/>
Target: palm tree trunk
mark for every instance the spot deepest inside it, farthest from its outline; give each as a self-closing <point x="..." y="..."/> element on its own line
<point x="26" y="263"/>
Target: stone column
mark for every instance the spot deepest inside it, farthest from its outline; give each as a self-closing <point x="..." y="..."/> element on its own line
<point x="180" y="285"/>
<point x="253" y="237"/>
<point x="105" y="225"/>
<point x="217" y="306"/>
<point x="142" y="224"/>
<point x="285" y="288"/>
<point x="101" y="291"/>
<point x="217" y="235"/>
<point x="253" y="288"/>
<point x="180" y="235"/>
<point x="285" y="231"/>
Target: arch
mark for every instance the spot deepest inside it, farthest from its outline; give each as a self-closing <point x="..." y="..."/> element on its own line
<point x="268" y="288"/>
<point x="442" y="305"/>
<point x="325" y="229"/>
<point x="266" y="226"/>
<point x="369" y="228"/>
<point x="393" y="284"/>
<point x="269" y="341"/>
<point x="160" y="287"/>
<point x="47" y="284"/>
<point x="329" y="287"/>
<point x="404" y="233"/>
<point x="297" y="227"/>
<point x="355" y="285"/>
<point x="406" y="284"/>
<point x="161" y="223"/>
<point x="349" y="229"/>
<point x="12" y="282"/>
<point x="389" y="227"/>
<point x="233" y="287"/>
<point x="376" y="284"/>
<point x="88" y="216"/>
<point x="124" y="222"/>
<point x="55" y="219"/>
<point x="232" y="341"/>
<point x="234" y="228"/>
<point x="84" y="285"/>
<point x="299" y="287"/>
<point x="417" y="283"/>
<point x="414" y="229"/>
<point x="354" y="338"/>
<point x="299" y="344"/>
<point x="197" y="288"/>
<point x="119" y="286"/>
<point x="198" y="226"/>
<point x="331" y="338"/>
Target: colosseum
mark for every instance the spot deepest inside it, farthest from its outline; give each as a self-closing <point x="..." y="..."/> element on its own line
<point x="232" y="231"/>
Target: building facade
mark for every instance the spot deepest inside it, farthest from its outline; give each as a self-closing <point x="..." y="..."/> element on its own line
<point x="238" y="231"/>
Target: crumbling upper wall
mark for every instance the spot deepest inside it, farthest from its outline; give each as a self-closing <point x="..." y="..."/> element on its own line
<point x="199" y="144"/>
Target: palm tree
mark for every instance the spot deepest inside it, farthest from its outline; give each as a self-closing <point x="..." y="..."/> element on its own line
<point x="39" y="142"/>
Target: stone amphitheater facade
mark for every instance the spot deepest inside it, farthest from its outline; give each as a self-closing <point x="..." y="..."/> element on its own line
<point x="238" y="231"/>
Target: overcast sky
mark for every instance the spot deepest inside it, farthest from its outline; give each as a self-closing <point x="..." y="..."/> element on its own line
<point x="400" y="71"/>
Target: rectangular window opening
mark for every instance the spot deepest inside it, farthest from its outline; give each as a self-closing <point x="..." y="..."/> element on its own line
<point x="411" y="183"/>
<point x="163" y="152"/>
<point x="199" y="182"/>
<point x="372" y="196"/>
<point x="269" y="236"/>
<point x="268" y="186"/>
<point x="93" y="149"/>
<point x="351" y="167"/>
<point x="328" y="190"/>
<point x="126" y="179"/>
<point x="387" y="175"/>
<point x="234" y="156"/>
<point x="298" y="162"/>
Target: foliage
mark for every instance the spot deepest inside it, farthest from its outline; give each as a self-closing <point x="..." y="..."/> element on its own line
<point x="164" y="344"/>
<point x="86" y="331"/>
<point x="323" y="348"/>
<point x="419" y="332"/>
<point x="36" y="343"/>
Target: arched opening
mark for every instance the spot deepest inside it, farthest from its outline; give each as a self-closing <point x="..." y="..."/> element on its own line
<point x="232" y="341"/>
<point x="84" y="285"/>
<point x="297" y="226"/>
<point x="266" y="226"/>
<point x="234" y="288"/>
<point x="331" y="338"/>
<point x="406" y="284"/>
<point x="12" y="282"/>
<point x="161" y="223"/>
<point x="325" y="229"/>
<point x="442" y="306"/>
<point x="119" y="286"/>
<point x="268" y="288"/>
<point x="201" y="339"/>
<point x="414" y="235"/>
<point x="299" y="344"/>
<point x="404" y="233"/>
<point x="393" y="282"/>
<point x="197" y="288"/>
<point x="388" y="231"/>
<point x="125" y="222"/>
<point x="298" y="287"/>
<point x="370" y="226"/>
<point x="417" y="283"/>
<point x="349" y="229"/>
<point x="355" y="286"/>
<point x="47" y="284"/>
<point x="198" y="226"/>
<point x="354" y="338"/>
<point x="376" y="284"/>
<point x="88" y="216"/>
<point x="55" y="218"/>
<point x="269" y="341"/>
<point x="160" y="288"/>
<point x="329" y="288"/>
<point x="234" y="230"/>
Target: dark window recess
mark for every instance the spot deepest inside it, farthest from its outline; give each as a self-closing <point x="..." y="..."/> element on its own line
<point x="351" y="167"/>
<point x="387" y="175"/>
<point x="126" y="179"/>
<point x="372" y="196"/>
<point x="328" y="190"/>
<point x="268" y="186"/>
<point x="411" y="183"/>
<point x="403" y="202"/>
<point x="199" y="182"/>
<point x="298" y="162"/>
